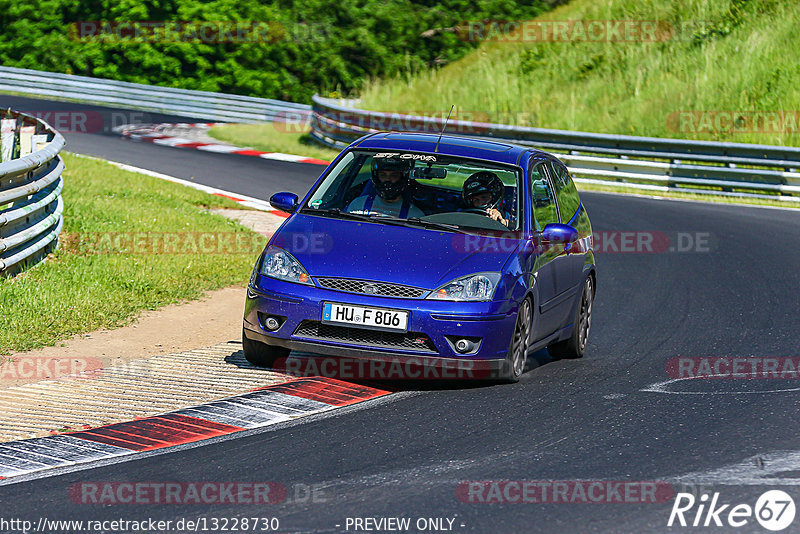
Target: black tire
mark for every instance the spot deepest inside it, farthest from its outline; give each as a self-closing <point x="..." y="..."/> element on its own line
<point x="261" y="354"/>
<point x="517" y="357"/>
<point x="575" y="346"/>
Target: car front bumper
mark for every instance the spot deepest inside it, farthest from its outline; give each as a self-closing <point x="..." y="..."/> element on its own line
<point x="432" y="325"/>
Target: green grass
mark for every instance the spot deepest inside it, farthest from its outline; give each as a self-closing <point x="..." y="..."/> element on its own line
<point x="273" y="137"/>
<point x="724" y="55"/>
<point x="77" y="291"/>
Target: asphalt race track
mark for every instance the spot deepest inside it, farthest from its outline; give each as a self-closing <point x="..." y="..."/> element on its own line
<point x="253" y="176"/>
<point x="735" y="294"/>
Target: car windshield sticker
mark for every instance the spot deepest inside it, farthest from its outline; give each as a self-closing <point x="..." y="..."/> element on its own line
<point x="419" y="157"/>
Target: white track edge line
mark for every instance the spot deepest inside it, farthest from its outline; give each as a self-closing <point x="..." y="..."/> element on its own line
<point x="261" y="205"/>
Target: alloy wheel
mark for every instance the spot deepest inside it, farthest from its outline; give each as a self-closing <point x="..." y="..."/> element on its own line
<point x="522" y="332"/>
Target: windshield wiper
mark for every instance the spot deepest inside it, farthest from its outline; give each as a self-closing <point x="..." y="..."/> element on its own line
<point x="386" y="219"/>
<point x="339" y="213"/>
<point x="416" y="221"/>
<point x="371" y="217"/>
<point x="440" y="226"/>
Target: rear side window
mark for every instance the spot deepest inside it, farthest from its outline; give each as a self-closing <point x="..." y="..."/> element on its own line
<point x="544" y="204"/>
<point x="567" y="193"/>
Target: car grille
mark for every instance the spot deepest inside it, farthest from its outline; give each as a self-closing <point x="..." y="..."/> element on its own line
<point x="371" y="288"/>
<point x="415" y="341"/>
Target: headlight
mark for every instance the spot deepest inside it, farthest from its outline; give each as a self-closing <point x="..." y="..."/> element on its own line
<point x="281" y="265"/>
<point x="474" y="287"/>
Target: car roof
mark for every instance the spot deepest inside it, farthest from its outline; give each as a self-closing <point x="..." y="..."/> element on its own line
<point x="449" y="145"/>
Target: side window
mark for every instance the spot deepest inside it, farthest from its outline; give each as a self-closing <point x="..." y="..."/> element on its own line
<point x="544" y="204"/>
<point x="568" y="199"/>
<point x="327" y="197"/>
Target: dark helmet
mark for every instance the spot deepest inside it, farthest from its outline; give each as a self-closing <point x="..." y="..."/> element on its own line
<point x="391" y="190"/>
<point x="483" y="182"/>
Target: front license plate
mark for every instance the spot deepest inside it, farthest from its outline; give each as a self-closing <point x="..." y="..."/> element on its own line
<point x="373" y="318"/>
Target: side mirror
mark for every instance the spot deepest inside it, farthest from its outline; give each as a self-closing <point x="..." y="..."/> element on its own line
<point x="284" y="201"/>
<point x="559" y="233"/>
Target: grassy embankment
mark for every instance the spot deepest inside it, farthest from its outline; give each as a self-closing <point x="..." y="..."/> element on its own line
<point x="715" y="56"/>
<point x="709" y="57"/>
<point x="101" y="277"/>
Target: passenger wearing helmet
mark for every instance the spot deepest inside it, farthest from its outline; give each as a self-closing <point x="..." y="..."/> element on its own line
<point x="484" y="191"/>
<point x="389" y="181"/>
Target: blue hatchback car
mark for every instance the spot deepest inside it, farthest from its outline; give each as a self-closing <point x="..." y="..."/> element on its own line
<point x="449" y="250"/>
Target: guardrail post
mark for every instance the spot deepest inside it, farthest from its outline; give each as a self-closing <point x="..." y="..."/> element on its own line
<point x="7" y="127"/>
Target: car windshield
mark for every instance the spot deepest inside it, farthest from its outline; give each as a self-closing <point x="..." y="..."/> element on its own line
<point x="429" y="190"/>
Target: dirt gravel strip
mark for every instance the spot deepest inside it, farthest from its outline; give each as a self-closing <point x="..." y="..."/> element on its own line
<point x="138" y="388"/>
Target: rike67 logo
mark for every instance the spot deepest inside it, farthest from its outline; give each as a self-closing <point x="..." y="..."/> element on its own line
<point x="774" y="510"/>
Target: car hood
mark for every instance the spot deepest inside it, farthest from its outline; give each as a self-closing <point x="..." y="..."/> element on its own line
<point x="419" y="257"/>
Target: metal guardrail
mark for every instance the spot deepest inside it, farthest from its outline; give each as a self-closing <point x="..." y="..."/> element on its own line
<point x="217" y="107"/>
<point x="644" y="162"/>
<point x="31" y="208"/>
<point x="706" y="167"/>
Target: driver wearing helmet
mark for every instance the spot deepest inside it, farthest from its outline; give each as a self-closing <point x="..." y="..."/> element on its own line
<point x="484" y="191"/>
<point x="390" y="179"/>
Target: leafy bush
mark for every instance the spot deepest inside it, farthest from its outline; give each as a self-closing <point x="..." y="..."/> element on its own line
<point x="310" y="46"/>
